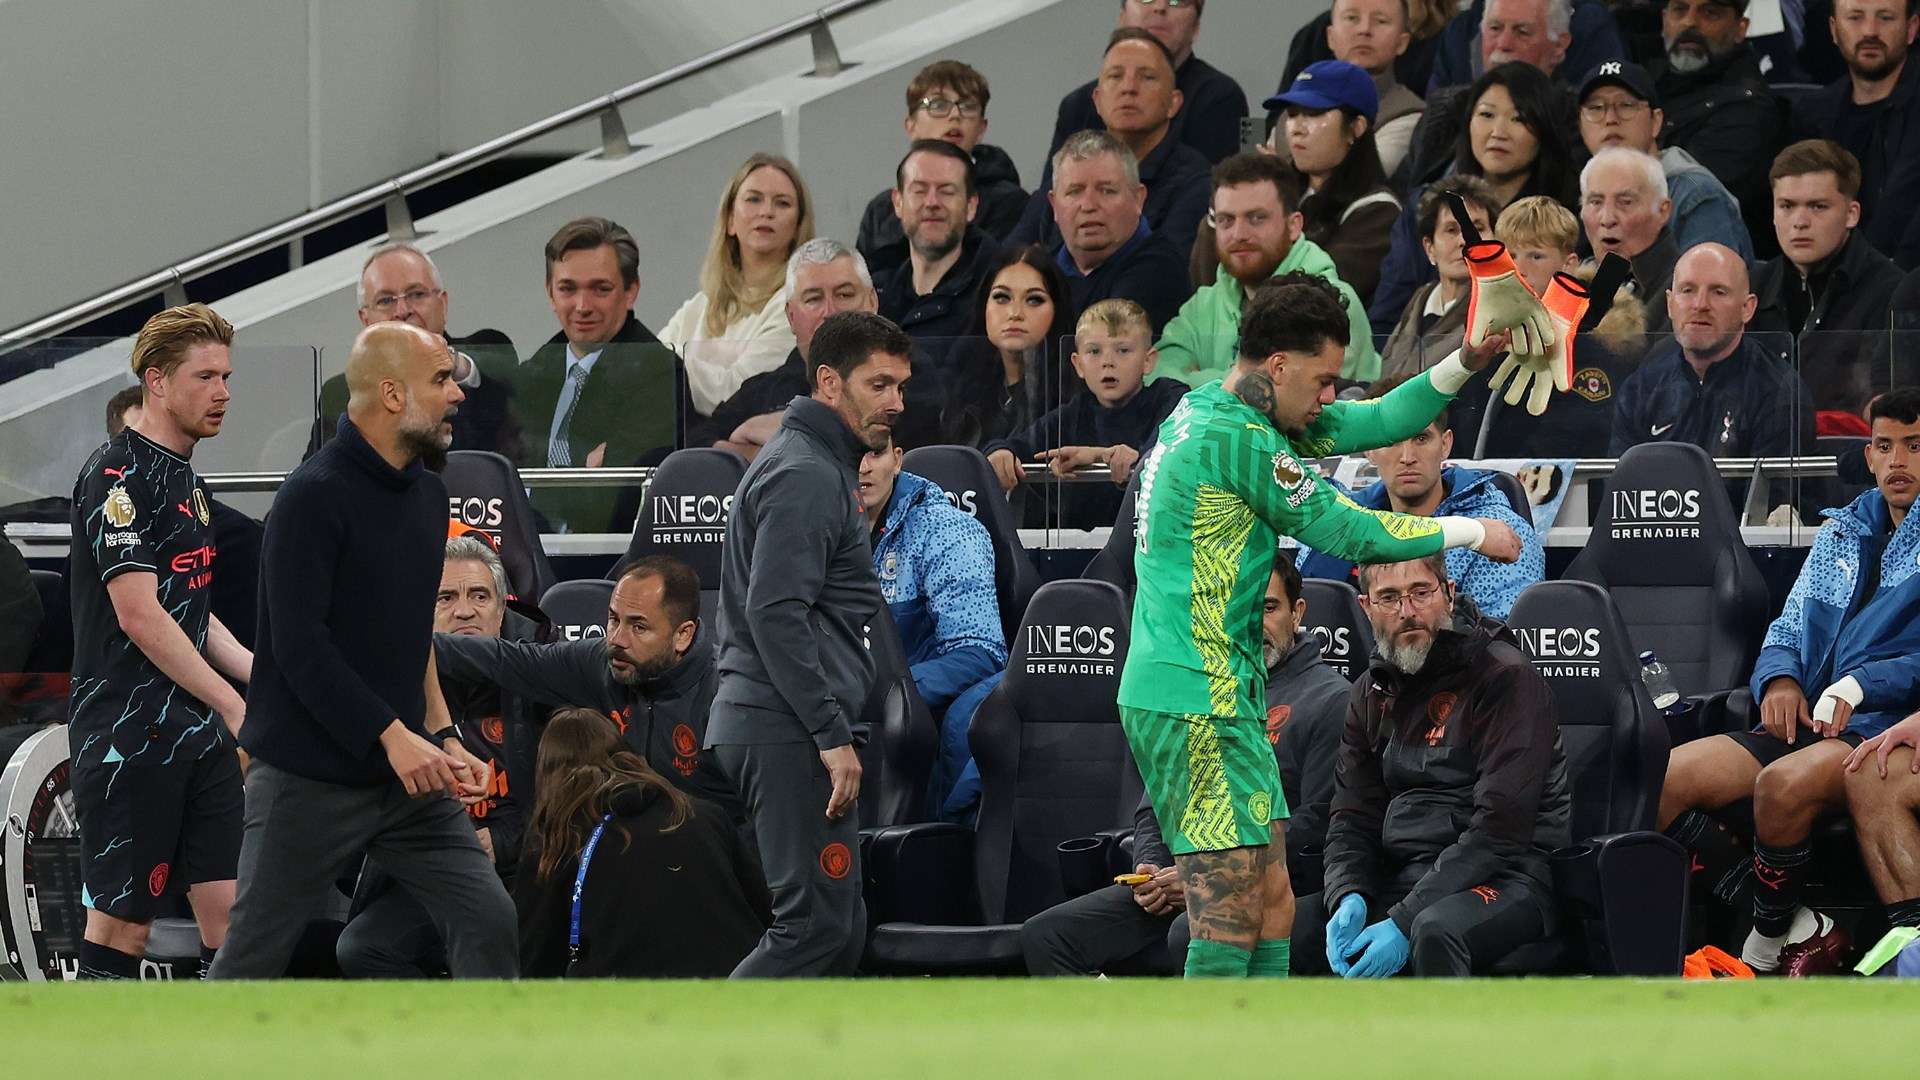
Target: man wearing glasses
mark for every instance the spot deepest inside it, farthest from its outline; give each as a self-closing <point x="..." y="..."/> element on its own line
<point x="1620" y="107"/>
<point x="399" y="283"/>
<point x="947" y="100"/>
<point x="1215" y="104"/>
<point x="1451" y="724"/>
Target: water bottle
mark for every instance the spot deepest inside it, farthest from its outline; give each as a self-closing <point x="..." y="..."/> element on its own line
<point x="1659" y="682"/>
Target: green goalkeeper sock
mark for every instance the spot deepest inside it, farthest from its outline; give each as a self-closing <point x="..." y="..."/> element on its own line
<point x="1216" y="960"/>
<point x="1269" y="960"/>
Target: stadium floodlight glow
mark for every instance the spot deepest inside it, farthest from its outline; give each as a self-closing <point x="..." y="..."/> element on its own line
<point x="41" y="917"/>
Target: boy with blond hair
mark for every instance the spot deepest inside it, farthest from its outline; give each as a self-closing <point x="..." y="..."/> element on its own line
<point x="1542" y="236"/>
<point x="1110" y="421"/>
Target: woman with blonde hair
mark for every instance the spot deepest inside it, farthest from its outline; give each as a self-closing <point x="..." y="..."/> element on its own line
<point x="622" y="874"/>
<point x="735" y="327"/>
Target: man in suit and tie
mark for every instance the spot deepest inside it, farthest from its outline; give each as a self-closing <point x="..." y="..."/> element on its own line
<point x="603" y="391"/>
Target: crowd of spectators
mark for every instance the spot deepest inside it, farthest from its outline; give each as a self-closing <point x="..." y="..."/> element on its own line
<point x="1761" y="219"/>
<point x="1153" y="192"/>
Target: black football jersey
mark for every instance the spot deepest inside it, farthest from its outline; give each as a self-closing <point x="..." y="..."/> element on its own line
<point x="138" y="506"/>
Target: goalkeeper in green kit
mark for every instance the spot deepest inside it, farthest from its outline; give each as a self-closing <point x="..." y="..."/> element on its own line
<point x="1225" y="480"/>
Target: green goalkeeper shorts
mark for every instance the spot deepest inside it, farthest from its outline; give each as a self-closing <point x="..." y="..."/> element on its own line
<point x="1212" y="779"/>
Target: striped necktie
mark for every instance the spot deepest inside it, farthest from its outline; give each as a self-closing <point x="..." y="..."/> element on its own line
<point x="559" y="452"/>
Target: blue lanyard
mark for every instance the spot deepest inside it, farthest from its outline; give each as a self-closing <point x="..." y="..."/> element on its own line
<point x="580" y="887"/>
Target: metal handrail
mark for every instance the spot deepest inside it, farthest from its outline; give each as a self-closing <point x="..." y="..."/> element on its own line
<point x="392" y="193"/>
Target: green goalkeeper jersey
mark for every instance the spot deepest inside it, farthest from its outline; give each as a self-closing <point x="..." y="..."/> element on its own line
<point x="1216" y="492"/>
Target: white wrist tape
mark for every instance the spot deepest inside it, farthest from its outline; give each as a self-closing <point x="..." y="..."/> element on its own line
<point x="1463" y="532"/>
<point x="1449" y="375"/>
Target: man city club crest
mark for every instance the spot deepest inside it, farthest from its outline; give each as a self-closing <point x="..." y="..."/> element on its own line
<point x="119" y="507"/>
<point x="1260" y="808"/>
<point x="200" y="511"/>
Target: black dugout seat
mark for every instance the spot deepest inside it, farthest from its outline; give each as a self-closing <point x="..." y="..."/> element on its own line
<point x="1054" y="766"/>
<point x="1667" y="549"/>
<point x="1621" y="887"/>
<point x="1335" y="617"/>
<point x="963" y="473"/>
<point x="902" y="737"/>
<point x="484" y="492"/>
<point x="1113" y="563"/>
<point x="52" y="650"/>
<point x="1515" y="492"/>
<point x="684" y="514"/>
<point x="578" y="608"/>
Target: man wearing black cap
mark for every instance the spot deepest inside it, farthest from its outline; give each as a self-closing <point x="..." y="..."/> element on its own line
<point x="1620" y="107"/>
<point x="1718" y="105"/>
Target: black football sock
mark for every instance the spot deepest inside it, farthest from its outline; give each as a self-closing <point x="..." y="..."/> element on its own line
<point x="1779" y="873"/>
<point x="99" y="961"/>
<point x="1721" y="863"/>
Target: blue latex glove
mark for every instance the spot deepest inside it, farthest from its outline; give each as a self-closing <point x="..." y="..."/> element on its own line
<point x="1346" y="922"/>
<point x="1383" y="951"/>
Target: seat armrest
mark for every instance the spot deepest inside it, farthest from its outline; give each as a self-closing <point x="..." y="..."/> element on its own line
<point x="923" y="874"/>
<point x="1625" y="896"/>
<point x="1721" y="712"/>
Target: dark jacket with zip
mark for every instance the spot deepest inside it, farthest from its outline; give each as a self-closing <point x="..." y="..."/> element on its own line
<point x="883" y="243"/>
<point x="1208" y="120"/>
<point x="1751" y="404"/>
<point x="663" y="718"/>
<point x="1728" y="118"/>
<point x="1179" y="182"/>
<point x="1843" y="342"/>
<point x="797" y="589"/>
<point x="682" y="904"/>
<point x="935" y="319"/>
<point x="504" y="727"/>
<point x="1449" y="778"/>
<point x="1890" y="170"/>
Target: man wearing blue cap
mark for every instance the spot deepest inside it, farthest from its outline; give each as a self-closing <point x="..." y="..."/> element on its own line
<point x="1619" y="106"/>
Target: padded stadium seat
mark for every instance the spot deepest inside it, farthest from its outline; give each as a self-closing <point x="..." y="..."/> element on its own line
<point x="1335" y="616"/>
<point x="578" y="608"/>
<point x="53" y="646"/>
<point x="1621" y="887"/>
<point x="484" y="492"/>
<point x="1515" y="492"/>
<point x="1054" y="766"/>
<point x="963" y="473"/>
<point x="684" y="515"/>
<point x="1113" y="563"/>
<point x="902" y="737"/>
<point x="1667" y="549"/>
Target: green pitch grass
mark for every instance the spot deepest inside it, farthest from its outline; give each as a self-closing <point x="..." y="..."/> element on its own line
<point x="982" y="1030"/>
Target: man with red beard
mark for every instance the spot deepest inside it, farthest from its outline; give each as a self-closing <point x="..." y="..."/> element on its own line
<point x="1871" y="112"/>
<point x="1257" y="229"/>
